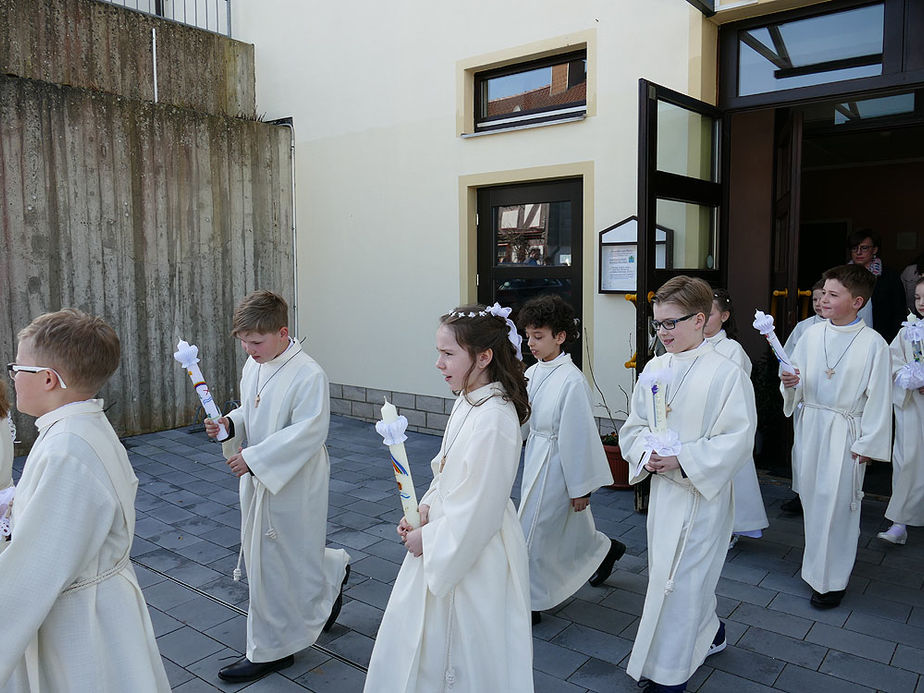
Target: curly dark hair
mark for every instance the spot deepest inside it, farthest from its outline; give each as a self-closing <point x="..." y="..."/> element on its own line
<point x="485" y="331"/>
<point x="552" y="311"/>
<point x="722" y="299"/>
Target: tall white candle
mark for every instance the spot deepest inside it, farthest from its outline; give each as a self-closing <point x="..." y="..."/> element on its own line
<point x="660" y="407"/>
<point x="763" y="323"/>
<point x="187" y="355"/>
<point x="392" y="428"/>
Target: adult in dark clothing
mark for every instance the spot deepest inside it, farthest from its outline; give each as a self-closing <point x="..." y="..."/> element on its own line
<point x="886" y="309"/>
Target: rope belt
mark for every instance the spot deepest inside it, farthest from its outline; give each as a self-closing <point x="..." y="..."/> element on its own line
<point x="95" y="580"/>
<point x="851" y="417"/>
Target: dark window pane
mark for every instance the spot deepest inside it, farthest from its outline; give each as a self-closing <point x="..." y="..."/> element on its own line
<point x="515" y="292"/>
<point x="815" y="50"/>
<point x="533" y="234"/>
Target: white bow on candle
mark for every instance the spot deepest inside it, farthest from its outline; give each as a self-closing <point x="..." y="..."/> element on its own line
<point x="763" y="323"/>
<point x="392" y="428"/>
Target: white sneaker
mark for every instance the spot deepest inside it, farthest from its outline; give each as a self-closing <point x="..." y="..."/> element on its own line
<point x="734" y="540"/>
<point x="896" y="534"/>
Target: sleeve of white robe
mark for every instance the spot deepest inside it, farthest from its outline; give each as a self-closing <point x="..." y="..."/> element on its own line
<point x="711" y="461"/>
<point x="874" y="434"/>
<point x="792" y="396"/>
<point x="6" y="454"/>
<point x="899" y="357"/>
<point x="583" y="461"/>
<point x="66" y="520"/>
<point x="279" y="456"/>
<point x="634" y="429"/>
<point x="473" y="511"/>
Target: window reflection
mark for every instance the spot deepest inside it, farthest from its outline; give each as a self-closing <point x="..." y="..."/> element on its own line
<point x="815" y="50"/>
<point x="694" y="233"/>
<point x="533" y="234"/>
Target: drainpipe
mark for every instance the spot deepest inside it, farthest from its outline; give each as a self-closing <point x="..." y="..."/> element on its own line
<point x="288" y="123"/>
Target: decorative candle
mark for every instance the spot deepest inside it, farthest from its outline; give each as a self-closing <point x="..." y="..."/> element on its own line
<point x="764" y="324"/>
<point x="911" y="375"/>
<point x="188" y="356"/>
<point x="6" y="507"/>
<point x="392" y="428"/>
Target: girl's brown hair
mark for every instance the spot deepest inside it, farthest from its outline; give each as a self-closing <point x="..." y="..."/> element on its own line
<point x="723" y="300"/>
<point x="476" y="330"/>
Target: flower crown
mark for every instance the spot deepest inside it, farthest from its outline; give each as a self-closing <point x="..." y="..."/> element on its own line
<point x="498" y="312"/>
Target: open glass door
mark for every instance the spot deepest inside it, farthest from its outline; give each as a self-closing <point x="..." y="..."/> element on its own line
<point x="786" y="297"/>
<point x="680" y="191"/>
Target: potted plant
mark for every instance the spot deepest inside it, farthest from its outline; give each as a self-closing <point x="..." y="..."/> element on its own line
<point x="619" y="467"/>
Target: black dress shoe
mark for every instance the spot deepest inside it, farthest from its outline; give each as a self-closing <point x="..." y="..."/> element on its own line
<point x="338" y="604"/>
<point x="537" y="617"/>
<point x="244" y="670"/>
<point x="827" y="600"/>
<point x="617" y="549"/>
<point x="793" y="506"/>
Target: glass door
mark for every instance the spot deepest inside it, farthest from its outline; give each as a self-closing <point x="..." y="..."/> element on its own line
<point x="679" y="188"/>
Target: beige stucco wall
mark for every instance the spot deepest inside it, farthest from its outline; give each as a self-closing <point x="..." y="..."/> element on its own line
<point x="382" y="173"/>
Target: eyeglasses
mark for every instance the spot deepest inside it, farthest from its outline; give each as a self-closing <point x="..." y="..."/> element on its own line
<point x="14" y="368"/>
<point x="861" y="248"/>
<point x="670" y="323"/>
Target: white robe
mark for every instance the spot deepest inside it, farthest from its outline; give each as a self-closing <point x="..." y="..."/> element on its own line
<point x="907" y="503"/>
<point x="6" y="463"/>
<point x="750" y="515"/>
<point x="74" y="617"/>
<point x="847" y="413"/>
<point x="564" y="459"/>
<point x="458" y="616"/>
<point x="293" y="579"/>
<point x="789" y="347"/>
<point x="689" y="519"/>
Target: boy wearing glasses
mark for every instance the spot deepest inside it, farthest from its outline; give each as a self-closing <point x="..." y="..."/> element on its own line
<point x="709" y="410"/>
<point x="74" y="616"/>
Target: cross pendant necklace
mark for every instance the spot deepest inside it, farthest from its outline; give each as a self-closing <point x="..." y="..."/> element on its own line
<point x="256" y="400"/>
<point x="829" y="371"/>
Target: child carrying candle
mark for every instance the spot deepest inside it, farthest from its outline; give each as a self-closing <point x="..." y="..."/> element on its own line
<point x="710" y="406"/>
<point x="458" y="615"/>
<point x="750" y="515"/>
<point x="564" y="463"/>
<point x="906" y="507"/>
<point x="295" y="583"/>
<point x="842" y="381"/>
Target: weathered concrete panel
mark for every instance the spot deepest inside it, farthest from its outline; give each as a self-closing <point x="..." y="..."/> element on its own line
<point x="104" y="47"/>
<point x="155" y="217"/>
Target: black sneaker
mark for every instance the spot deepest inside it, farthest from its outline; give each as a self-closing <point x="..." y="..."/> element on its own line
<point x="827" y="600"/>
<point x="793" y="506"/>
<point x="718" y="643"/>
<point x="617" y="549"/>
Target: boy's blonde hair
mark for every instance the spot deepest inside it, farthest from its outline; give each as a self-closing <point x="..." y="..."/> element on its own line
<point x="83" y="348"/>
<point x="858" y="280"/>
<point x="692" y="294"/>
<point x="261" y="312"/>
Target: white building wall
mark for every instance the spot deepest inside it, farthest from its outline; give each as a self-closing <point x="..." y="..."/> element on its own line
<point x="372" y="90"/>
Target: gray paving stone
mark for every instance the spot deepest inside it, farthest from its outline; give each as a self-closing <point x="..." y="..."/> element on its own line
<point x="186" y="645"/>
<point x="232" y="633"/>
<point x="356" y="647"/>
<point x="747" y="664"/>
<point x="549" y="626"/>
<point x="795" y="679"/>
<point x="333" y="677"/>
<point x="167" y="594"/>
<point x="723" y="682"/>
<point x="553" y="659"/>
<point x="371" y="592"/>
<point x="207" y="669"/>
<point x="851" y="642"/>
<point x="737" y="570"/>
<point x="868" y="673"/>
<point x="544" y="683"/>
<point x="195" y="685"/>
<point x="162" y="623"/>
<point x="800" y="606"/>
<point x="226" y="589"/>
<point x="782" y="647"/>
<point x="201" y="613"/>
<point x="744" y="592"/>
<point x="360" y="617"/>
<point x="160" y="559"/>
<point x="896" y="593"/>
<point x="910" y="658"/>
<point x="379" y="568"/>
<point x="176" y="674"/>
<point x="275" y="683"/>
<point x="594" y="643"/>
<point x="886" y="629"/>
<point x="603" y="677"/>
<point x="771" y="620"/>
<point x="204" y="552"/>
<point x="596" y="616"/>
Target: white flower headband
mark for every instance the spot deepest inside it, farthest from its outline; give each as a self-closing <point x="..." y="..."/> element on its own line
<point x="504" y="314"/>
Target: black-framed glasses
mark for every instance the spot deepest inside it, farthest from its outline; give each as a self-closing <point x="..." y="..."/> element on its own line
<point x="861" y="248"/>
<point x="14" y="368"/>
<point x="670" y="323"/>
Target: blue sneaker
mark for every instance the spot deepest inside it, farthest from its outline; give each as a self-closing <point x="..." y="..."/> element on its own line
<point x="718" y="643"/>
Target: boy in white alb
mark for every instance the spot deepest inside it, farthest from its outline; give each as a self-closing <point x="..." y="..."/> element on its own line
<point x="710" y="413"/>
<point x="794" y="506"/>
<point x="842" y="382"/>
<point x="906" y="507"/>
<point x="74" y="617"/>
<point x="563" y="464"/>
<point x="295" y="583"/>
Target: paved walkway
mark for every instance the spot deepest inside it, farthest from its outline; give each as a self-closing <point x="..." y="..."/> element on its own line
<point x="187" y="540"/>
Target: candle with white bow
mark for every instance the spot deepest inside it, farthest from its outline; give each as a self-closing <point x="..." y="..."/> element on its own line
<point x="392" y="428"/>
<point x="763" y="323"/>
<point x="911" y="375"/>
<point x="662" y="440"/>
<point x="188" y="356"/>
<point x="6" y="508"/>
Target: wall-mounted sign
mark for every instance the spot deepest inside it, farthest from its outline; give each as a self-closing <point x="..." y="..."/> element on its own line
<point x="619" y="255"/>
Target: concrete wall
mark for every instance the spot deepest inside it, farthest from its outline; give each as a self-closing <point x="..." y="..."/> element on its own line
<point x="157" y="217"/>
<point x="106" y="48"/>
<point x="380" y="166"/>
